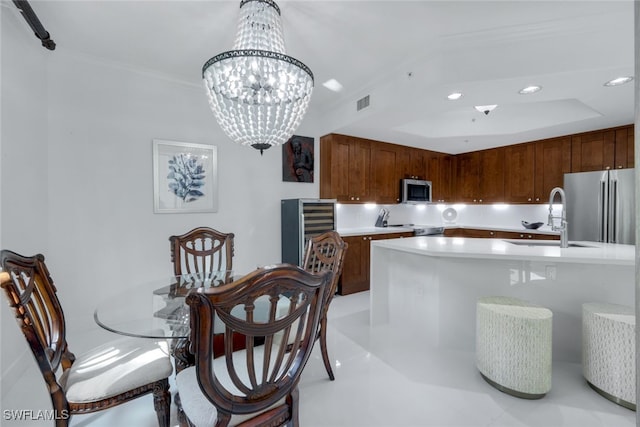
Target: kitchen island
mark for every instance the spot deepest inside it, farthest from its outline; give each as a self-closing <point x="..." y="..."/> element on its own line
<point x="430" y="285"/>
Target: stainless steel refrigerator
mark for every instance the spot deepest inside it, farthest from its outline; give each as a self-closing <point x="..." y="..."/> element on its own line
<point x="601" y="206"/>
<point x="302" y="219"/>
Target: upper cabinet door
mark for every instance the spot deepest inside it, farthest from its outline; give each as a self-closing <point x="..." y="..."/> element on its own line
<point x="344" y="168"/>
<point x="440" y="169"/>
<point x="624" y="148"/>
<point x="334" y="167"/>
<point x="467" y="177"/>
<point x="553" y="160"/>
<point x="519" y="167"/>
<point x="384" y="178"/>
<point x="593" y="151"/>
<point x="411" y="163"/>
<point x="359" y="168"/>
<point x="491" y="176"/>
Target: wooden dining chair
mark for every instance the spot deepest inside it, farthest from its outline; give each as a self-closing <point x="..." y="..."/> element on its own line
<point x="326" y="252"/>
<point x="256" y="386"/>
<point x="109" y="375"/>
<point x="201" y="250"/>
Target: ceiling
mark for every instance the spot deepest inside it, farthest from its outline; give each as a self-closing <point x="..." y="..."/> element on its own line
<point x="406" y="55"/>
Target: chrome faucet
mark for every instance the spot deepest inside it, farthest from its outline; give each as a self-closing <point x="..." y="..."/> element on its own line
<point x="564" y="243"/>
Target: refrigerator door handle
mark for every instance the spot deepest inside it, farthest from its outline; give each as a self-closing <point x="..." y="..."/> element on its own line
<point x="613" y="212"/>
<point x="602" y="211"/>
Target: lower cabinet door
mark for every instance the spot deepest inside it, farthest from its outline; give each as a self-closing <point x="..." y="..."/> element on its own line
<point x="355" y="272"/>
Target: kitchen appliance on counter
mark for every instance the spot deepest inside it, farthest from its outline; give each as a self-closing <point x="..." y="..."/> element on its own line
<point x="383" y="217"/>
<point x="415" y="191"/>
<point x="422" y="230"/>
<point x="302" y="219"/>
<point x="601" y="206"/>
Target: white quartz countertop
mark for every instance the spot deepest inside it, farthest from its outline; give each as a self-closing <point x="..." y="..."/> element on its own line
<point x="502" y="249"/>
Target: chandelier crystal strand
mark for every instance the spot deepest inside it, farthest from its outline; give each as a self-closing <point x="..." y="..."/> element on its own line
<point x="257" y="93"/>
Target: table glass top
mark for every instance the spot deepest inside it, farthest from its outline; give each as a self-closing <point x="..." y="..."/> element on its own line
<point x="155" y="309"/>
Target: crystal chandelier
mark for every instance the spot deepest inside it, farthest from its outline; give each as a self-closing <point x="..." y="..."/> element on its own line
<point x="257" y="93"/>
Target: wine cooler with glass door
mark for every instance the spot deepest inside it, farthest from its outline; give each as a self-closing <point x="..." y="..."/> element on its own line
<point x="302" y="219"/>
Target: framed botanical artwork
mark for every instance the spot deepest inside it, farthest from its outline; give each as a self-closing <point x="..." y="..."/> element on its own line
<point x="297" y="159"/>
<point x="185" y="177"/>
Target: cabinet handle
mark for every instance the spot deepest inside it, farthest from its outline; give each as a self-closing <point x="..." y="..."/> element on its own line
<point x="480" y="200"/>
<point x="352" y="198"/>
<point x="537" y="199"/>
<point x="521" y="236"/>
<point x="619" y="166"/>
<point x="369" y="238"/>
<point x="529" y="199"/>
<point x="608" y="167"/>
<point x="357" y="198"/>
<point x="530" y="236"/>
<point x="474" y="200"/>
<point x="364" y="238"/>
<point x="491" y="233"/>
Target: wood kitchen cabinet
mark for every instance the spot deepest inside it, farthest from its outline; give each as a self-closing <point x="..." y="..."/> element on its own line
<point x="344" y="168"/>
<point x="411" y="163"/>
<point x="593" y="151"/>
<point x="440" y="171"/>
<point x="385" y="181"/>
<point x="519" y="173"/>
<point x="480" y="176"/>
<point x="497" y="234"/>
<point x="624" y="148"/>
<point x="355" y="272"/>
<point x="553" y="160"/>
<point x="600" y="150"/>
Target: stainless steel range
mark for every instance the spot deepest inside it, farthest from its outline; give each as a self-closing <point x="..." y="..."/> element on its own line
<point x="422" y="230"/>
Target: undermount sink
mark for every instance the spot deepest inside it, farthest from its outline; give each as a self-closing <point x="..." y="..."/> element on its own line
<point x="551" y="243"/>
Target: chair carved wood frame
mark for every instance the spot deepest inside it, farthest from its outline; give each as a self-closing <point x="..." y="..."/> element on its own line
<point x="326" y="251"/>
<point x="279" y="306"/>
<point x="201" y="250"/>
<point x="32" y="295"/>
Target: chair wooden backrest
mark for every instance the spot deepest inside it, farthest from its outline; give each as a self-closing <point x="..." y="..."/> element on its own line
<point x="201" y="250"/>
<point x="326" y="252"/>
<point x="272" y="305"/>
<point x="32" y="296"/>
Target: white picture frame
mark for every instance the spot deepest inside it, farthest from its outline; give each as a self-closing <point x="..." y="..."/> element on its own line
<point x="185" y="177"/>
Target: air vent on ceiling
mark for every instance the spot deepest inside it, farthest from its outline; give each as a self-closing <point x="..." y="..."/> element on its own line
<point x="363" y="102"/>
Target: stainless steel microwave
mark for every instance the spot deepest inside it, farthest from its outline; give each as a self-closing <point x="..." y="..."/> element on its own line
<point x="415" y="191"/>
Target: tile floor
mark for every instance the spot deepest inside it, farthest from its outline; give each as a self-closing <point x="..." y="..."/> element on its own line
<point x="383" y="378"/>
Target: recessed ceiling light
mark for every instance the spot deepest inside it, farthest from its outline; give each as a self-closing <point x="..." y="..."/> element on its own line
<point x="486" y="109"/>
<point x="529" y="89"/>
<point x="453" y="96"/>
<point x="333" y="84"/>
<point x="619" y="81"/>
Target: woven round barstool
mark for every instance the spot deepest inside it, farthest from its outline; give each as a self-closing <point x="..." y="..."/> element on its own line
<point x="513" y="346"/>
<point x="608" y="351"/>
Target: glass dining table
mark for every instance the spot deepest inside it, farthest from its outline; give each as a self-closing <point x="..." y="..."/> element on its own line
<point x="157" y="309"/>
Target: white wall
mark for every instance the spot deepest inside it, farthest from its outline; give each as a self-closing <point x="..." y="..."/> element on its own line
<point x="77" y="177"/>
<point x="23" y="167"/>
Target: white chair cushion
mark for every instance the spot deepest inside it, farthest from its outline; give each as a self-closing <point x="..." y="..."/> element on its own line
<point x="115" y="368"/>
<point x="197" y="407"/>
